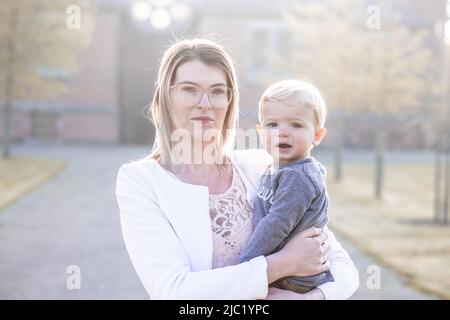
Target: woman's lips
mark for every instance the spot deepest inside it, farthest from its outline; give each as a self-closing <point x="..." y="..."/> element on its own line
<point x="203" y="120"/>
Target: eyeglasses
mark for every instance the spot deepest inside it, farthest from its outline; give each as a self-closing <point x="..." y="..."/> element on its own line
<point x="191" y="94"/>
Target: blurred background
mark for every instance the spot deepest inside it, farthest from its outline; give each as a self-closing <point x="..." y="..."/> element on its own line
<point x="76" y="77"/>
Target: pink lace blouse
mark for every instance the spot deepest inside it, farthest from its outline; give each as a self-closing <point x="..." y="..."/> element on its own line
<point x="231" y="222"/>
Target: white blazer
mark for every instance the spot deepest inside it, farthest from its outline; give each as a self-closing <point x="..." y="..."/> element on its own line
<point x="167" y="231"/>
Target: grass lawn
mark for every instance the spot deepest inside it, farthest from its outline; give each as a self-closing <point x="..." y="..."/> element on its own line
<point x="19" y="176"/>
<point x="399" y="229"/>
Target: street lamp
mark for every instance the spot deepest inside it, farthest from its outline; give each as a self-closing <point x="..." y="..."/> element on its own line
<point x="160" y="13"/>
<point x="141" y="10"/>
<point x="161" y="18"/>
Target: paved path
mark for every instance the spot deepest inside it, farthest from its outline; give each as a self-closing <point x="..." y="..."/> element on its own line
<point x="392" y="285"/>
<point x="73" y="220"/>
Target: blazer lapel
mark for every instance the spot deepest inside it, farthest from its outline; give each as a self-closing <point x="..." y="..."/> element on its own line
<point x="187" y="209"/>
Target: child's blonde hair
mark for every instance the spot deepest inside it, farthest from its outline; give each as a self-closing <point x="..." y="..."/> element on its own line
<point x="305" y="93"/>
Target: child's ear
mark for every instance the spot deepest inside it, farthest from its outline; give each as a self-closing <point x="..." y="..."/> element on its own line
<point x="319" y="135"/>
<point x="258" y="127"/>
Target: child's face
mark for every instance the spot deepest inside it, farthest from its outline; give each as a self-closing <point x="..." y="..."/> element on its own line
<point x="288" y="130"/>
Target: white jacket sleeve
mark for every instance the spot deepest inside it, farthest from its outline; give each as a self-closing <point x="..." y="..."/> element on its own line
<point x="162" y="263"/>
<point x="345" y="274"/>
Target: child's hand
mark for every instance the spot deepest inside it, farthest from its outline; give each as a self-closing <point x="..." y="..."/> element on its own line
<point x="280" y="294"/>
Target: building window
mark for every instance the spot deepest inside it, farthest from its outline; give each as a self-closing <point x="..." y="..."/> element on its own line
<point x="270" y="40"/>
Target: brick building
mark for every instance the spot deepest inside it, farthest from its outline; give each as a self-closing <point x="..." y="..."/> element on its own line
<point x="118" y="69"/>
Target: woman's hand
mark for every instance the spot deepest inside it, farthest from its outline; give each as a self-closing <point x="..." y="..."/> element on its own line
<point x="280" y="294"/>
<point x="307" y="252"/>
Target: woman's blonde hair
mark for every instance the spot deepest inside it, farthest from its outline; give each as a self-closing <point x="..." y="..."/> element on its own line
<point x="303" y="92"/>
<point x="211" y="54"/>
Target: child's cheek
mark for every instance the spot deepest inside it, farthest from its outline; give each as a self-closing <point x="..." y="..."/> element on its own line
<point x="305" y="139"/>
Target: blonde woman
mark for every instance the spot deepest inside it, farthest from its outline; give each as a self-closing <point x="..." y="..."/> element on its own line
<point x="185" y="219"/>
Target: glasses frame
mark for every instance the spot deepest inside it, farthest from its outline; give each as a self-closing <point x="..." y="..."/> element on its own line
<point x="232" y="91"/>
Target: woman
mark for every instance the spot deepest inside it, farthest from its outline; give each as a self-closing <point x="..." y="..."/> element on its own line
<point x="185" y="218"/>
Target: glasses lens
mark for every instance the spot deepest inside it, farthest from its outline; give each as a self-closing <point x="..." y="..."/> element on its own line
<point x="189" y="94"/>
<point x="220" y="97"/>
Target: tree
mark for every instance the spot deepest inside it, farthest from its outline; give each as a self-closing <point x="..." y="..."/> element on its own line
<point x="382" y="71"/>
<point x="397" y="78"/>
<point x="37" y="38"/>
<point x="329" y="48"/>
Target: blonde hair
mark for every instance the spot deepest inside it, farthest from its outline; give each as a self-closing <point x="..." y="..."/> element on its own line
<point x="304" y="93"/>
<point x="211" y="54"/>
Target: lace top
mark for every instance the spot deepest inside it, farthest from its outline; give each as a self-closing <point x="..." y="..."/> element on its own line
<point x="231" y="221"/>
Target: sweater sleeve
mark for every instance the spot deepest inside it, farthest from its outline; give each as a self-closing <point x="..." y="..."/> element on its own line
<point x="345" y="274"/>
<point x="160" y="260"/>
<point x="290" y="201"/>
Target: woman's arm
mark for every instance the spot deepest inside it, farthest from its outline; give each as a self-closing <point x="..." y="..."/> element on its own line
<point x="345" y="274"/>
<point x="160" y="260"/>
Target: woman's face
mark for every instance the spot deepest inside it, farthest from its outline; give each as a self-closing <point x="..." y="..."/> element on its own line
<point x="198" y="115"/>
